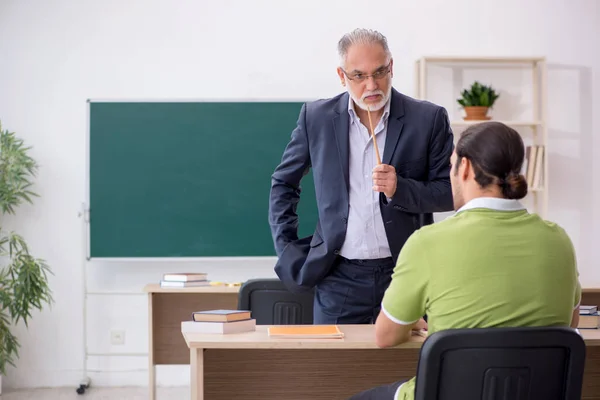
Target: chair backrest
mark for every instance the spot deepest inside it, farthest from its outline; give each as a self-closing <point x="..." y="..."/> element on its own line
<point x="501" y="364"/>
<point x="272" y="304"/>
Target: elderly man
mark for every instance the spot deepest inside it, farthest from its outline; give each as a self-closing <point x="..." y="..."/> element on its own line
<point x="366" y="210"/>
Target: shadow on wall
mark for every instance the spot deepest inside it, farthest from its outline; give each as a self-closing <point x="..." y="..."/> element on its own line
<point x="570" y="201"/>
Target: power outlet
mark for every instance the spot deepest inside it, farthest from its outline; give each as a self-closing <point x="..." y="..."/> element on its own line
<point x="117" y="337"/>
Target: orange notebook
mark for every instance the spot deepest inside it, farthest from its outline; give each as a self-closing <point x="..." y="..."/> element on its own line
<point x="306" y="332"/>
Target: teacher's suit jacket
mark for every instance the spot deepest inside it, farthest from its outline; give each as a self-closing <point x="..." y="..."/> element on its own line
<point x="419" y="143"/>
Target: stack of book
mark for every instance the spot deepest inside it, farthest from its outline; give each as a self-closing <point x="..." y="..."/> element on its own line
<point x="184" y="279"/>
<point x="219" y="321"/>
<point x="588" y="317"/>
<point x="533" y="167"/>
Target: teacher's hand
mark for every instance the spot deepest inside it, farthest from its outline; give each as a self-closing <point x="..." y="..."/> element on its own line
<point x="385" y="179"/>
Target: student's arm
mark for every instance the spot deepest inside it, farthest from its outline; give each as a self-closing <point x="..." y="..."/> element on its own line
<point x="389" y="333"/>
<point x="577" y="301"/>
<point x="577" y="292"/>
<point x="575" y="318"/>
<point x="404" y="301"/>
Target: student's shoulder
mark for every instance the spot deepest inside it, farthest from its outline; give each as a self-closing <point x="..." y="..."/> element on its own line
<point x="552" y="229"/>
<point x="449" y="224"/>
<point x="446" y="231"/>
<point x="552" y="226"/>
<point x="436" y="231"/>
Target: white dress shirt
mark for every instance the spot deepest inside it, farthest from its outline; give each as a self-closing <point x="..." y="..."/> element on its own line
<point x="365" y="232"/>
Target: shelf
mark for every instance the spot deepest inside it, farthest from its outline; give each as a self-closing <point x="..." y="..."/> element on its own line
<point x="479" y="60"/>
<point x="509" y="123"/>
<point x="536" y="125"/>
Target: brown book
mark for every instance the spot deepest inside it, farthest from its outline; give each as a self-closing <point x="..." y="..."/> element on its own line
<point x="531" y="165"/>
<point x="248" y="325"/>
<point x="526" y="161"/>
<point x="180" y="284"/>
<point x="538" y="176"/>
<point x="220" y="315"/>
<point x="185" y="276"/>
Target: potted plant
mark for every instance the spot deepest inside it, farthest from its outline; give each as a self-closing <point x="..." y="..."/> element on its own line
<point x="477" y="101"/>
<point x="23" y="278"/>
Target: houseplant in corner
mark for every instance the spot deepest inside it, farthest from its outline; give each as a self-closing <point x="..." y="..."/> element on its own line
<point x="477" y="101"/>
<point x="23" y="278"/>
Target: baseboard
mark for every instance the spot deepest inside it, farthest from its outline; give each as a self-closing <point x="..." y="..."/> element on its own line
<point x="166" y="375"/>
<point x="23" y="378"/>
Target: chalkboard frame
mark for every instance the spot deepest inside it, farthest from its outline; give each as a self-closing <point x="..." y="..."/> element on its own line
<point x="85" y="206"/>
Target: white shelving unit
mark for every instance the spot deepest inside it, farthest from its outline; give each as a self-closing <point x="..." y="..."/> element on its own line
<point x="533" y="129"/>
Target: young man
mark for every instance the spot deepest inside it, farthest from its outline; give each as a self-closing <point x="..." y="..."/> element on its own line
<point x="492" y="264"/>
<point x="366" y="210"/>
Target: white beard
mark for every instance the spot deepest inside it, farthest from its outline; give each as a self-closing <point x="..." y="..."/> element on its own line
<point x="373" y="107"/>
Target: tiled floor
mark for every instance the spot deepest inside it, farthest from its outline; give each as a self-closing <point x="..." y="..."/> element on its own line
<point x="178" y="393"/>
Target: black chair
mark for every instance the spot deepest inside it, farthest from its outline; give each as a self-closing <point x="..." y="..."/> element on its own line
<point x="501" y="364"/>
<point x="272" y="304"/>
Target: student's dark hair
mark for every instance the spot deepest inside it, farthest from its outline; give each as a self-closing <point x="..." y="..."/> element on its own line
<point x="496" y="152"/>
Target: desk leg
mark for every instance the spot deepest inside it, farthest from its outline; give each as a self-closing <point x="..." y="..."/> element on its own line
<point x="197" y="373"/>
<point x="152" y="381"/>
<point x="151" y="366"/>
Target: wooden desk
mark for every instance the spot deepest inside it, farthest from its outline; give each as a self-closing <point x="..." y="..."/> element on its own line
<point x="167" y="307"/>
<point x="252" y="366"/>
<point x="590" y="297"/>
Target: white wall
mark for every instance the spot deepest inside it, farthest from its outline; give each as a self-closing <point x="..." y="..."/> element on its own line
<point x="56" y="54"/>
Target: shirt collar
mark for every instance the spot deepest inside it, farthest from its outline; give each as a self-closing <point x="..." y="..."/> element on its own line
<point x="352" y="112"/>
<point x="493" y="203"/>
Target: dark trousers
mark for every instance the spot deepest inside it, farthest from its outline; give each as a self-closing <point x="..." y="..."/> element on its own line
<point x="352" y="292"/>
<point x="384" y="392"/>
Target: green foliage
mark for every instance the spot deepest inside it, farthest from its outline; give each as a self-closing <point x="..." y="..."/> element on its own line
<point x="23" y="278"/>
<point x="479" y="95"/>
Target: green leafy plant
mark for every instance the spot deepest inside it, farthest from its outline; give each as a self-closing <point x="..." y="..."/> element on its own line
<point x="23" y="278"/>
<point x="478" y="96"/>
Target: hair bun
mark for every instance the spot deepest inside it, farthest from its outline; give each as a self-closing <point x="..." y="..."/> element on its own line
<point x="514" y="186"/>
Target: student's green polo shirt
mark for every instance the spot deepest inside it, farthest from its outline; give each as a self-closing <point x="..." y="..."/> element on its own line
<point x="492" y="264"/>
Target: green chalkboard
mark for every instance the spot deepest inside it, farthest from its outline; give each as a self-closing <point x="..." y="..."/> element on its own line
<point x="187" y="179"/>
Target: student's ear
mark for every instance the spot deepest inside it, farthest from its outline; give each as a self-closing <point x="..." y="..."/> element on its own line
<point x="467" y="168"/>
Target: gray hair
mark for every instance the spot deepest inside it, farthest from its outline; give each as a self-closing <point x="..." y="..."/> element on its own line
<point x="361" y="36"/>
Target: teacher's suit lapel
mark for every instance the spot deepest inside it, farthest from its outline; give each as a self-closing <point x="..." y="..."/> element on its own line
<point x="394" y="128"/>
<point x="341" y="126"/>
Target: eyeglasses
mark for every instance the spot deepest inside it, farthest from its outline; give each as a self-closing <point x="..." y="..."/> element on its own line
<point x="359" y="77"/>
